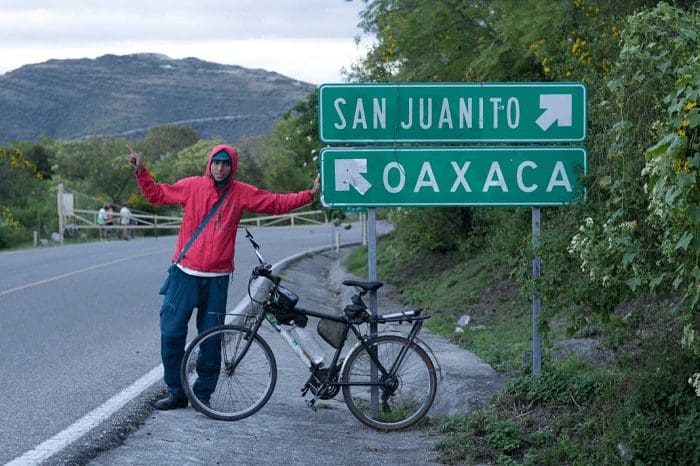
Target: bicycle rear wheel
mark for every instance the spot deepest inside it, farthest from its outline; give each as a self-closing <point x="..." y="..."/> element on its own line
<point x="404" y="394"/>
<point x="222" y="381"/>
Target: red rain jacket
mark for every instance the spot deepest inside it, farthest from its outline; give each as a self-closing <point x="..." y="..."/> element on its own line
<point x="213" y="250"/>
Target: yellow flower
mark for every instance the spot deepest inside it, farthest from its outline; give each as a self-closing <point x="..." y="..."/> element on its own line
<point x="684" y="123"/>
<point x="681" y="133"/>
<point x="689" y="106"/>
<point x="681" y="166"/>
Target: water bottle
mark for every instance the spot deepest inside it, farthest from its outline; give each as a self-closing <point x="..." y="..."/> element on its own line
<point x="309" y="344"/>
<point x="293" y="343"/>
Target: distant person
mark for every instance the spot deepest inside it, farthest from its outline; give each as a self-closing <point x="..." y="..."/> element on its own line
<point x="125" y="221"/>
<point x="102" y="222"/>
<point x="200" y="278"/>
<point x="109" y="220"/>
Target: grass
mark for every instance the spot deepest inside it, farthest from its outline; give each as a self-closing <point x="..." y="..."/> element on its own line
<point x="636" y="409"/>
<point x="499" y="328"/>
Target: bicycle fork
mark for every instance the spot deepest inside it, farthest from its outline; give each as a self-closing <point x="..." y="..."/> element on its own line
<point x="389" y="382"/>
<point x="248" y="337"/>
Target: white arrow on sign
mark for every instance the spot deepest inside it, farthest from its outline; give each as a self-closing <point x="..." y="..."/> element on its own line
<point x="557" y="107"/>
<point x="348" y="173"/>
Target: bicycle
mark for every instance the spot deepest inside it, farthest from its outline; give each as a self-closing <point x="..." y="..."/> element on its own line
<point x="388" y="381"/>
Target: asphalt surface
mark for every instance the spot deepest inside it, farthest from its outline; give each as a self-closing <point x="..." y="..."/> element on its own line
<point x="285" y="430"/>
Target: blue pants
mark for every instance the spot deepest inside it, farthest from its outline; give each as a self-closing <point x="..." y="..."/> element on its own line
<point x="184" y="293"/>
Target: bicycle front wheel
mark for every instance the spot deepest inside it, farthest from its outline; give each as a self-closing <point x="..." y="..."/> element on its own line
<point x="403" y="392"/>
<point x="224" y="376"/>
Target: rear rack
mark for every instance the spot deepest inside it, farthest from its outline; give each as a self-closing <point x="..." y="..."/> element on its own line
<point x="408" y="316"/>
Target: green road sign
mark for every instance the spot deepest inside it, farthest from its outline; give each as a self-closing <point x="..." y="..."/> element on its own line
<point x="450" y="176"/>
<point x="452" y="112"/>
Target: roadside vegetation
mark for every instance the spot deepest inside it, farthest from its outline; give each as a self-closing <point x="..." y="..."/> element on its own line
<point x="96" y="172"/>
<point x="621" y="268"/>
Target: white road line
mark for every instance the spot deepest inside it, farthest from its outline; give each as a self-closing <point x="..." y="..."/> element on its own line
<point x="72" y="433"/>
<point x="64" y="438"/>
<point x="75" y="272"/>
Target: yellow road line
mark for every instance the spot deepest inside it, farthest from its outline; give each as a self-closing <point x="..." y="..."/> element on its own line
<point x="75" y="272"/>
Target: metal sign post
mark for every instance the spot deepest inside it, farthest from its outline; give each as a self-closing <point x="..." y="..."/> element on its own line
<point x="372" y="272"/>
<point x="59" y="207"/>
<point x="536" y="299"/>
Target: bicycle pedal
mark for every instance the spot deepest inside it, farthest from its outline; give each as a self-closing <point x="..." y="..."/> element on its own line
<point x="312" y="404"/>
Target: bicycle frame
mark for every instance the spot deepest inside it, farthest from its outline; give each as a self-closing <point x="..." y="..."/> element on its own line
<point x="266" y="314"/>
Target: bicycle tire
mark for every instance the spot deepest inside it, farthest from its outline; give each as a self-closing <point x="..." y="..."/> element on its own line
<point x="406" y="398"/>
<point x="219" y="391"/>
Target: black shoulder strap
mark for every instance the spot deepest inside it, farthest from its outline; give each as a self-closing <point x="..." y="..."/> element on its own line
<point x="202" y="225"/>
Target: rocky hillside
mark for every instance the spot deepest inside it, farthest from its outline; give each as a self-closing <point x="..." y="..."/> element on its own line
<point x="126" y="95"/>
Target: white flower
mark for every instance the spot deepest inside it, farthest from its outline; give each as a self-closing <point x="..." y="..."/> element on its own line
<point x="694" y="381"/>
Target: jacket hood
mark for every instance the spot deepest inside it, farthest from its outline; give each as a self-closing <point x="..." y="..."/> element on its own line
<point x="234" y="160"/>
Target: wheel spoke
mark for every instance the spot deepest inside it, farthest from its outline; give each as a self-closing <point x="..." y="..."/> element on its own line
<point x="223" y="381"/>
<point x="404" y="395"/>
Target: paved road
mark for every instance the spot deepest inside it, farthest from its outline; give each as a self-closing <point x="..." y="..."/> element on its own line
<point x="79" y="323"/>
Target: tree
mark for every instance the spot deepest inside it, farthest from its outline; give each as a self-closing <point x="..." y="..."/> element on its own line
<point x="289" y="157"/>
<point x="162" y="142"/>
<point x="250" y="167"/>
<point x="40" y="154"/>
<point x="96" y="167"/>
<point x="24" y="197"/>
<point x="190" y="161"/>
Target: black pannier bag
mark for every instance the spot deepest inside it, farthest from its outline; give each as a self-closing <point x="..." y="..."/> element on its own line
<point x="331" y="332"/>
<point x="283" y="302"/>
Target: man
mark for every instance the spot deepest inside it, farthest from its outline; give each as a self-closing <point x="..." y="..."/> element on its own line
<point x="101" y="220"/>
<point x="201" y="277"/>
<point x="125" y="220"/>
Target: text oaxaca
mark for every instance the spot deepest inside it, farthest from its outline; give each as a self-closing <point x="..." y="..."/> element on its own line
<point x="452" y="176"/>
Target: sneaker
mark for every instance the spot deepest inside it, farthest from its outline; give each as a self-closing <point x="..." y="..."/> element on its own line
<point x="171" y="402"/>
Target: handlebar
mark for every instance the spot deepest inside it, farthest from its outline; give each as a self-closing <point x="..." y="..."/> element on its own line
<point x="264" y="269"/>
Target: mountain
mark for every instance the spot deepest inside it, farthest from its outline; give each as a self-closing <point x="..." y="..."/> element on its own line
<point x="124" y="96"/>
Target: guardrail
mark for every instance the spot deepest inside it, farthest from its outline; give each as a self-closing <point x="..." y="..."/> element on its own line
<point x="269" y="220"/>
<point x="86" y="219"/>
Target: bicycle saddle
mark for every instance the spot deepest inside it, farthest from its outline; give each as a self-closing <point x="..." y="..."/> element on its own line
<point x="367" y="286"/>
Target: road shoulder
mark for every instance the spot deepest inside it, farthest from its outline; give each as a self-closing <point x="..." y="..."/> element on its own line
<point x="286" y="431"/>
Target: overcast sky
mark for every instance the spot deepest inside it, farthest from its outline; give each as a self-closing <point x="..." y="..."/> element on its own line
<point x="309" y="40"/>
